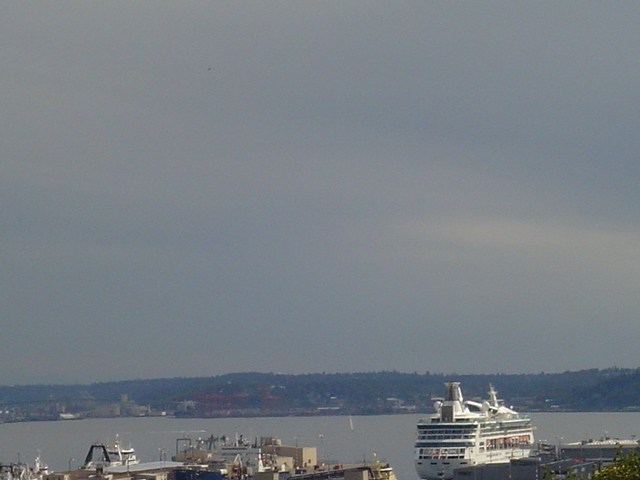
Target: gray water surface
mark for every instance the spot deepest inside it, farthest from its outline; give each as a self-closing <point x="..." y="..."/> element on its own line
<point x="388" y="437"/>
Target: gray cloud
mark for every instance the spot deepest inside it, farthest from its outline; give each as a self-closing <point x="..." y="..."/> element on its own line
<point x="193" y="189"/>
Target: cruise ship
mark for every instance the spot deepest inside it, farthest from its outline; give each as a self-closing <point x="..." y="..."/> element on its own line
<point x="465" y="433"/>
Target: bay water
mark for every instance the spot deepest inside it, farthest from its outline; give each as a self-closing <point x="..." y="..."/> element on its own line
<point x="388" y="438"/>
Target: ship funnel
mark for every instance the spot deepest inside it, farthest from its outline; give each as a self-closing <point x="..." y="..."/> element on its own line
<point x="453" y="392"/>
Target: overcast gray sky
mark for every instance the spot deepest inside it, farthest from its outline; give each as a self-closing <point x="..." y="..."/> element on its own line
<point x="198" y="188"/>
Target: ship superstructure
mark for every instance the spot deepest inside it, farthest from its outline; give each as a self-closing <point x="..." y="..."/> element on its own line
<point x="105" y="456"/>
<point x="466" y="433"/>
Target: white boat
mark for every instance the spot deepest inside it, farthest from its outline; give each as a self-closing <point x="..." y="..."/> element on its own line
<point x="467" y="433"/>
<point x="104" y="456"/>
<point x="24" y="471"/>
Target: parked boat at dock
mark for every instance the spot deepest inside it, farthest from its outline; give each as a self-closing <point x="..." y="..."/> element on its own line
<point x="221" y="458"/>
<point x="465" y="433"/>
<point x="105" y="456"/>
<point x="264" y="458"/>
<point x="24" y="471"/>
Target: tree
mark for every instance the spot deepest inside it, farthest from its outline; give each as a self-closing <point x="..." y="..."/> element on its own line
<point x="623" y="467"/>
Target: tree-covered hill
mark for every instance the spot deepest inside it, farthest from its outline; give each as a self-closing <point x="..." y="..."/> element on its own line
<point x="337" y="393"/>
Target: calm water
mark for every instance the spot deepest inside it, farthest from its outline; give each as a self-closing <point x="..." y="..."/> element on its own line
<point x="389" y="437"/>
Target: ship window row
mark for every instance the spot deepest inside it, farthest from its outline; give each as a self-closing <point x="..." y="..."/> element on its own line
<point x="430" y="453"/>
<point x="462" y="420"/>
<point x="443" y="444"/>
<point x="447" y="431"/>
<point x="488" y="430"/>
<point x="451" y="426"/>
<point x="444" y="436"/>
<point x="504" y="434"/>
<point x="452" y="429"/>
<point x="508" y="442"/>
<point x="503" y="426"/>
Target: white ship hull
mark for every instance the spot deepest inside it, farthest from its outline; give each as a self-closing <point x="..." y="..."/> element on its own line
<point x="443" y="468"/>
